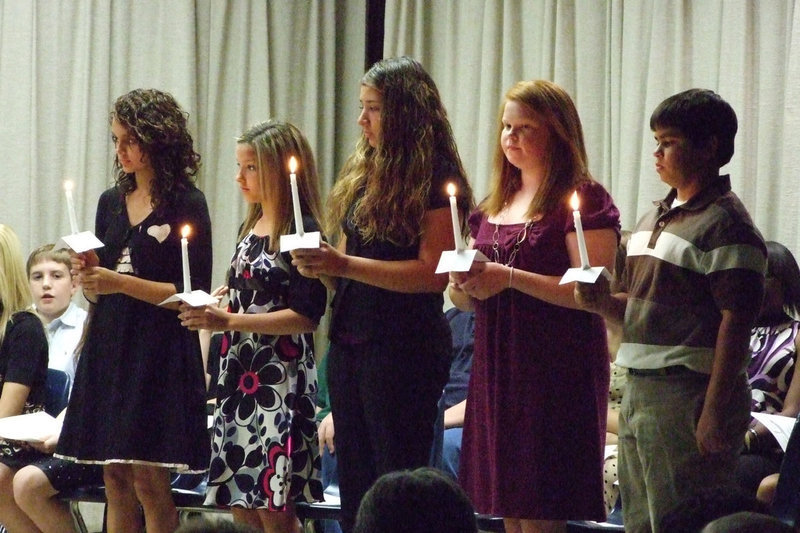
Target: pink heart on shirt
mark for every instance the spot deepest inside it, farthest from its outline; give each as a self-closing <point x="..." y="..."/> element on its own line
<point x="159" y="233"/>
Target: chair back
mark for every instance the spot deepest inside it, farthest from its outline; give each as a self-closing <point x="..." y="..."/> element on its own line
<point x="786" y="505"/>
<point x="57" y="396"/>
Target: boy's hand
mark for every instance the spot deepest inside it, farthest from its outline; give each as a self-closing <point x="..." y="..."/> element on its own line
<point x="709" y="435"/>
<point x="593" y="297"/>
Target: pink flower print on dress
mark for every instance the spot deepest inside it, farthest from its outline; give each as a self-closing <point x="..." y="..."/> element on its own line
<point x="276" y="480"/>
<point x="288" y="349"/>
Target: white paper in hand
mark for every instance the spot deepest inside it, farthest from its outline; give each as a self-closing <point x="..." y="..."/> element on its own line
<point x="34" y="427"/>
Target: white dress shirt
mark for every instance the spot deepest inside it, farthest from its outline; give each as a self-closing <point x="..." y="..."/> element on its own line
<point x="63" y="334"/>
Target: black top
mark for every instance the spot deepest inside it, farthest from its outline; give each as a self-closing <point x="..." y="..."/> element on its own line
<point x="363" y="312"/>
<point x="155" y="243"/>
<point x="23" y="355"/>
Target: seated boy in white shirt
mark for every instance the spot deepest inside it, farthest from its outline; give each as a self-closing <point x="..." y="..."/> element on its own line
<point x="52" y="287"/>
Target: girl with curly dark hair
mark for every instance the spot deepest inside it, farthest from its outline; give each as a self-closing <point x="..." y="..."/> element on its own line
<point x="268" y="377"/>
<point x="138" y="403"/>
<point x="390" y="342"/>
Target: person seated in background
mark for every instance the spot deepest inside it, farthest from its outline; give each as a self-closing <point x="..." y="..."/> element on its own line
<point x="771" y="371"/>
<point x="325" y="434"/>
<point x="23" y="368"/>
<point x="619" y="378"/>
<point x="52" y="287"/>
<point x="205" y="525"/>
<point x="424" y="500"/>
<point x="454" y="398"/>
<point x="35" y="486"/>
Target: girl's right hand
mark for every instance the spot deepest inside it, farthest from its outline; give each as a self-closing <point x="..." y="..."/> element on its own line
<point x="83" y="261"/>
<point x="48" y="446"/>
<point x="323" y="261"/>
<point x="205" y="317"/>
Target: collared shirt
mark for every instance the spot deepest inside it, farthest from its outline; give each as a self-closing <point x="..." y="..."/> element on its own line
<point x="63" y="334"/>
<point x="685" y="265"/>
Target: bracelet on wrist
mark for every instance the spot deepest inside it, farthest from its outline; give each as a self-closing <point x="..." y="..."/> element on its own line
<point x="510" y="276"/>
<point x="751" y="440"/>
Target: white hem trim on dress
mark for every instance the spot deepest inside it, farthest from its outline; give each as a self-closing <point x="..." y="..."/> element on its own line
<point x="181" y="468"/>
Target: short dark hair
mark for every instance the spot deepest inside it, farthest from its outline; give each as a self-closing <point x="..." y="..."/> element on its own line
<point x="424" y="500"/>
<point x="707" y="504"/>
<point x="204" y="525"/>
<point x="700" y="115"/>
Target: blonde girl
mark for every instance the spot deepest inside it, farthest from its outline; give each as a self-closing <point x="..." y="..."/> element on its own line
<point x="264" y="453"/>
<point x="23" y="369"/>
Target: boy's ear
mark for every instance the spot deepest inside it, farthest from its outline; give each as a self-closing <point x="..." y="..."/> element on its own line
<point x="710" y="149"/>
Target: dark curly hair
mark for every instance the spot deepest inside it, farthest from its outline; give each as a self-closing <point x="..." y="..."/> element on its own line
<point x="158" y="123"/>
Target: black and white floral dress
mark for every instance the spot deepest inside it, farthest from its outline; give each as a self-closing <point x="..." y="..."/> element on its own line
<point x="264" y="448"/>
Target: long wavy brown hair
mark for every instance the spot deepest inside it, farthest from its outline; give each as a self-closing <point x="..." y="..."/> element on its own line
<point x="567" y="163"/>
<point x="158" y="123"/>
<point x="274" y="143"/>
<point x="389" y="185"/>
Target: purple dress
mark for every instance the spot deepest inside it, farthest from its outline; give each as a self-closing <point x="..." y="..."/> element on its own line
<point x="536" y="409"/>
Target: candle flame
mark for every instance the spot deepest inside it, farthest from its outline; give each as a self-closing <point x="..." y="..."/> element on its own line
<point x="574" y="202"/>
<point x="451" y="189"/>
<point x="292" y="165"/>
<point x="185" y="231"/>
<point x="68" y="185"/>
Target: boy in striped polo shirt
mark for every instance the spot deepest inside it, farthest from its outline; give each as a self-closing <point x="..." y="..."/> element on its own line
<point x="692" y="287"/>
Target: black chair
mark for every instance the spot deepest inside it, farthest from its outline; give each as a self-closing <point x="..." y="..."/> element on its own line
<point x="330" y="509"/>
<point x="57" y="386"/>
<point x="786" y="506"/>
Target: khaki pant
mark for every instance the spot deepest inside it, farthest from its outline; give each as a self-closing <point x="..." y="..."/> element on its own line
<point x="659" y="462"/>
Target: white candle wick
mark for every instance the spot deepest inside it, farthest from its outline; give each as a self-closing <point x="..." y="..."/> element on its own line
<point x="459" y="243"/>
<point x="576" y="216"/>
<point x="187" y="280"/>
<point x="73" y="219"/>
<point x="298" y="215"/>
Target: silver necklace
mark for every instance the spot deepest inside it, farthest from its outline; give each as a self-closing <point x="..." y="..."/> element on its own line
<point x="521" y="236"/>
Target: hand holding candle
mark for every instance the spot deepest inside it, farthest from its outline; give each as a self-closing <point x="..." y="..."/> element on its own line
<point x="73" y="219"/>
<point x="459" y="243"/>
<point x="187" y="281"/>
<point x="298" y="215"/>
<point x="576" y="215"/>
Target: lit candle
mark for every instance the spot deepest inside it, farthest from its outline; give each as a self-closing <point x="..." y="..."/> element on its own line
<point x="576" y="215"/>
<point x="73" y="219"/>
<point x="187" y="281"/>
<point x="451" y="190"/>
<point x="298" y="215"/>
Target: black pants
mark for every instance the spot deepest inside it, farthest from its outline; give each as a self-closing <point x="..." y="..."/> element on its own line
<point x="384" y="398"/>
